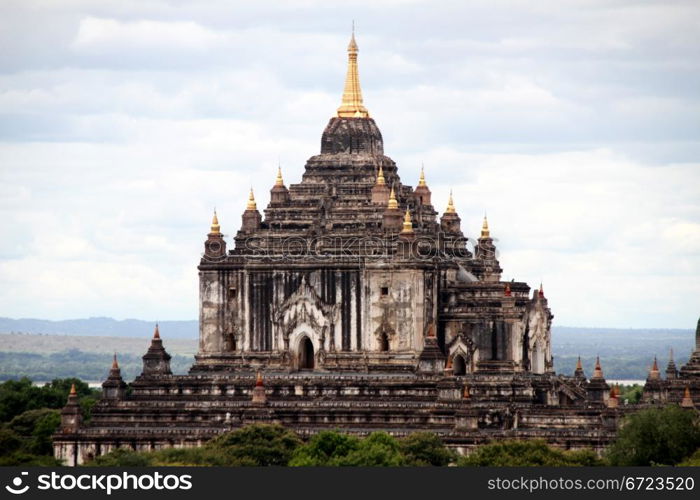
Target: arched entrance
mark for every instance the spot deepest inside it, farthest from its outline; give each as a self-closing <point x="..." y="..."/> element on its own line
<point x="459" y="366"/>
<point x="384" y="342"/>
<point x="306" y="354"/>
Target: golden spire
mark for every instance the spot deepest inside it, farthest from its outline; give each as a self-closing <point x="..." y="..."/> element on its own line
<point x="450" y="205"/>
<point x="115" y="364"/>
<point x="73" y="392"/>
<point x="215" y="228"/>
<point x="156" y="333"/>
<point x="251" y="201"/>
<point x="380" y="177"/>
<point x="351" y="106"/>
<point x="279" y="181"/>
<point x="579" y="366"/>
<point x="485" y="228"/>
<point x="421" y="181"/>
<point x="393" y="204"/>
<point x="407" y="224"/>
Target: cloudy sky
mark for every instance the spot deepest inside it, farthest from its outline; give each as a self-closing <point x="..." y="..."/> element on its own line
<point x="575" y="125"/>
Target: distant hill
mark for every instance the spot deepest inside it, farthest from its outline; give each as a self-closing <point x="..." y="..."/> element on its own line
<point x="103" y="327"/>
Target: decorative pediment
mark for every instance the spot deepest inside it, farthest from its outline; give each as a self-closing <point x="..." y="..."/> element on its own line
<point x="304" y="306"/>
<point x="461" y="342"/>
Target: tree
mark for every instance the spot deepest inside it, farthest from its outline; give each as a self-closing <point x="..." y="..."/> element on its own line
<point x="425" y="448"/>
<point x="258" y="444"/>
<point x="378" y="449"/>
<point x="692" y="461"/>
<point x="121" y="457"/>
<point x="324" y="449"/>
<point x="526" y="453"/>
<point x="657" y="436"/>
<point x="9" y="442"/>
<point x="631" y="393"/>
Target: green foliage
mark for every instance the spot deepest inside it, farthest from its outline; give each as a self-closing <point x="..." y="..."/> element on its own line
<point x="326" y="448"/>
<point x="121" y="457"/>
<point x="526" y="453"/>
<point x="203" y="456"/>
<point x="18" y="396"/>
<point x="657" y="436"/>
<point x="9" y="442"/>
<point x="261" y="444"/>
<point x="378" y="449"/>
<point x="31" y="416"/>
<point x="692" y="461"/>
<point x="425" y="448"/>
<point x="35" y="428"/>
<point x="28" y="459"/>
<point x="631" y="393"/>
<point x="45" y="427"/>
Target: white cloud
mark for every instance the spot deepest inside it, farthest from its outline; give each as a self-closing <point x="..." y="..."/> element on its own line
<point x="122" y="124"/>
<point x="95" y="34"/>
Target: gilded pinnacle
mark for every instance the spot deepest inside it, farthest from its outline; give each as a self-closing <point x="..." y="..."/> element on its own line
<point x="351" y="105"/>
<point x="156" y="333"/>
<point x="407" y="224"/>
<point x="279" y="181"/>
<point x="251" y="201"/>
<point x="485" y="233"/>
<point x="115" y="364"/>
<point x="215" y="228"/>
<point x="73" y="392"/>
<point x="393" y="204"/>
<point x="380" y="177"/>
<point x="421" y="181"/>
<point x="450" y="205"/>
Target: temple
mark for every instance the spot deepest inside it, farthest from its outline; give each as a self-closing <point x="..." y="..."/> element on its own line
<point x="351" y="303"/>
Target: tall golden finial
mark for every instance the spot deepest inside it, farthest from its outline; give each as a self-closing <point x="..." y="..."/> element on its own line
<point x="407" y="224"/>
<point x="351" y="105"/>
<point x="380" y="177"/>
<point x="393" y="204"/>
<point x="279" y="181"/>
<point x="421" y="181"/>
<point x="485" y="228"/>
<point x="215" y="227"/>
<point x="251" y="201"/>
<point x="73" y="392"/>
<point x="450" y="205"/>
<point x="156" y="332"/>
<point x="579" y="365"/>
<point x="115" y="364"/>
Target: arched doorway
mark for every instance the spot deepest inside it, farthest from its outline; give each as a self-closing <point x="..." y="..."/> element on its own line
<point x="384" y="342"/>
<point x="459" y="366"/>
<point x="306" y="354"/>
